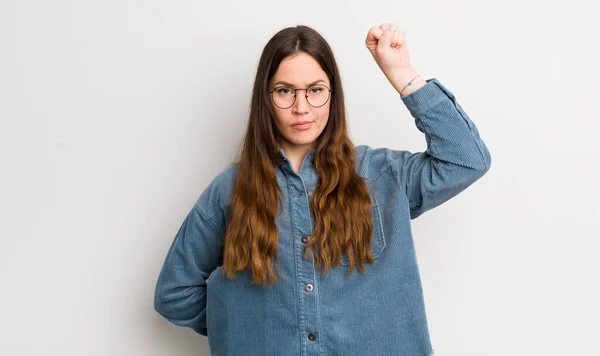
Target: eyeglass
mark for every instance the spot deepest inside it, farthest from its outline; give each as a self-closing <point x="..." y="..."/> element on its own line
<point x="284" y="97"/>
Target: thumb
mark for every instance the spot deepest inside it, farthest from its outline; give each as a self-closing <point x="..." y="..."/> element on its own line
<point x="385" y="40"/>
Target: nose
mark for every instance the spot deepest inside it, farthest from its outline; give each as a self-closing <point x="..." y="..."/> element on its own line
<point x="301" y="105"/>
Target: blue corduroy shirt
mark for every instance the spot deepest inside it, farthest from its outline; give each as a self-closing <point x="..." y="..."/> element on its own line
<point x="306" y="313"/>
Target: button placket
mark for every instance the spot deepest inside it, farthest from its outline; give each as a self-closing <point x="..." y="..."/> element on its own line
<point x="302" y="214"/>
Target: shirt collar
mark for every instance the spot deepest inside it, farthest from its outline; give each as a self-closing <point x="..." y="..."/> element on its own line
<point x="309" y="155"/>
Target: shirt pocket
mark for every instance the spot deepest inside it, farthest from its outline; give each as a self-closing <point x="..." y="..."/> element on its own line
<point x="377" y="239"/>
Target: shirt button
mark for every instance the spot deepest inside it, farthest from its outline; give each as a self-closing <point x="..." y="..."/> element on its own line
<point x="304" y="239"/>
<point x="312" y="337"/>
<point x="308" y="288"/>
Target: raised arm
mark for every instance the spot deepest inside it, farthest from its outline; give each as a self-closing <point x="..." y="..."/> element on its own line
<point x="455" y="156"/>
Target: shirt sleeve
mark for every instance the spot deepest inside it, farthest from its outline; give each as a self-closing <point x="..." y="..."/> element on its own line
<point x="455" y="157"/>
<point x="180" y="294"/>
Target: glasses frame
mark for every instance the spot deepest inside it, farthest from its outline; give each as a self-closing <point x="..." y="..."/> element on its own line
<point x="296" y="95"/>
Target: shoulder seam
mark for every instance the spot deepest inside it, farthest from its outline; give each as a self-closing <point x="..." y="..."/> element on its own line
<point x="210" y="219"/>
<point x="364" y="160"/>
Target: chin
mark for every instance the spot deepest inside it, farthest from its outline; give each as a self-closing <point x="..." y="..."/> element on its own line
<point x="304" y="142"/>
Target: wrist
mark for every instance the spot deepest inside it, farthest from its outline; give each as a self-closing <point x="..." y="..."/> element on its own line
<point x="401" y="78"/>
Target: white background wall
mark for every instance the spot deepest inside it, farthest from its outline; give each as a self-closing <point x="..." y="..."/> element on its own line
<point x="115" y="115"/>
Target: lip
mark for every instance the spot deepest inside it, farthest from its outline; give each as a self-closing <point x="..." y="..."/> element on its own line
<point x="303" y="125"/>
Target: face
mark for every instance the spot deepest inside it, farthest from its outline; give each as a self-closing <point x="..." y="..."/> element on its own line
<point x="301" y="123"/>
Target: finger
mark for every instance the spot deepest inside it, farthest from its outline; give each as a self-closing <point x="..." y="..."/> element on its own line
<point x="396" y="38"/>
<point x="385" y="26"/>
<point x="375" y="33"/>
<point x="401" y="38"/>
<point x="373" y="38"/>
<point x="385" y="40"/>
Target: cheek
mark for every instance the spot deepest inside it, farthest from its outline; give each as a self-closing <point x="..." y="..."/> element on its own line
<point x="280" y="120"/>
<point x="324" y="116"/>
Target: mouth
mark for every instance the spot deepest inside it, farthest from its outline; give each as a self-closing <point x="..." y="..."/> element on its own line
<point x="303" y="125"/>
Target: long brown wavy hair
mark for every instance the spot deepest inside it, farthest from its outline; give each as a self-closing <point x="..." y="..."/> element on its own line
<point x="341" y="201"/>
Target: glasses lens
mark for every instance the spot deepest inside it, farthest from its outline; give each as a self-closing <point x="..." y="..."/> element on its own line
<point x="317" y="95"/>
<point x="283" y="97"/>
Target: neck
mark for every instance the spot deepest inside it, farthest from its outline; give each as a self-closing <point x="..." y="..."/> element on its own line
<point x="296" y="155"/>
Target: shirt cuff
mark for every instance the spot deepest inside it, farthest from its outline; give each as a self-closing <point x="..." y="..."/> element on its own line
<point x="426" y="97"/>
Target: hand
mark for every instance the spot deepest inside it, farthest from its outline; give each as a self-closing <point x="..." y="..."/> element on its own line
<point x="388" y="48"/>
<point x="387" y="44"/>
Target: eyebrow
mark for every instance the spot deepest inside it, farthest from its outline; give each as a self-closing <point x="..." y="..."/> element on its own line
<point x="291" y="85"/>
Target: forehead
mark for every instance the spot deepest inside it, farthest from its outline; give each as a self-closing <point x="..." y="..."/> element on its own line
<point x="299" y="70"/>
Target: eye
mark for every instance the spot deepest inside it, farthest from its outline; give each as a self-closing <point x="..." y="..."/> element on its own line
<point x="316" y="90"/>
<point x="283" y="91"/>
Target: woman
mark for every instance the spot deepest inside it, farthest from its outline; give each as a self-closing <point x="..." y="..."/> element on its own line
<point x="263" y="264"/>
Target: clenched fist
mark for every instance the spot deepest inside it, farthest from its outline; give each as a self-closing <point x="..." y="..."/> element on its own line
<point x="387" y="44"/>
